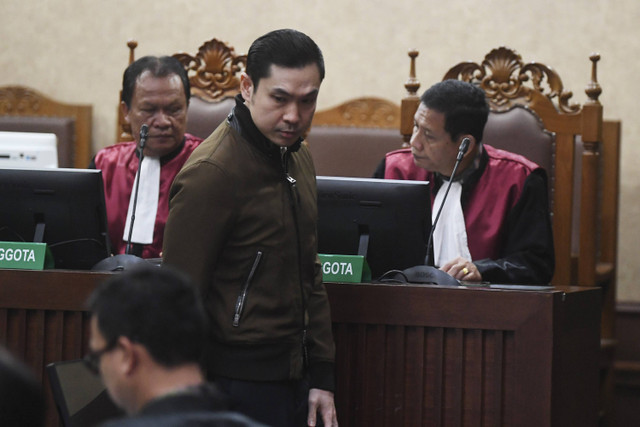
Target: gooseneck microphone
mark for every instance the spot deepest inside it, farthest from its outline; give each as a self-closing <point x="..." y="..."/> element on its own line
<point x="464" y="146"/>
<point x="144" y="133"/>
<point x="127" y="260"/>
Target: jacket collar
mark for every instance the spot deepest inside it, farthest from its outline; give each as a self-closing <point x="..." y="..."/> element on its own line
<point x="240" y="119"/>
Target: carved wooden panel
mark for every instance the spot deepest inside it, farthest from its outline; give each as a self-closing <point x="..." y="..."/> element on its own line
<point x="16" y="100"/>
<point x="214" y="72"/>
<point x="507" y="80"/>
<point x="361" y="112"/>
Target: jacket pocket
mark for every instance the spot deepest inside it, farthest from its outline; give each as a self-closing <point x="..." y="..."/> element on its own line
<point x="245" y="288"/>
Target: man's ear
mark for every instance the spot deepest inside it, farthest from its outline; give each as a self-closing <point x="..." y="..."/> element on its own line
<point x="129" y="355"/>
<point x="246" y="86"/>
<point x="125" y="111"/>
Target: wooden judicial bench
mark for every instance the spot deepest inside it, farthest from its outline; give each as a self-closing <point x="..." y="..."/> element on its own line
<point x="406" y="355"/>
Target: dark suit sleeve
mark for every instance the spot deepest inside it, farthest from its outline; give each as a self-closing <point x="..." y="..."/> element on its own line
<point x="379" y="172"/>
<point x="528" y="255"/>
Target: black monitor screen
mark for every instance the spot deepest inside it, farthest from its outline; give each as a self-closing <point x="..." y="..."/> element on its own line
<point x="64" y="208"/>
<point x="387" y="221"/>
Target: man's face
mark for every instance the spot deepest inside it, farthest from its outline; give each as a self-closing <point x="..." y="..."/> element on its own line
<point x="108" y="365"/>
<point x="283" y="104"/>
<point x="160" y="102"/>
<point x="432" y="146"/>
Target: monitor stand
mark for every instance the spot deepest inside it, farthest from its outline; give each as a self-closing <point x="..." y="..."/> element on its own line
<point x="38" y="235"/>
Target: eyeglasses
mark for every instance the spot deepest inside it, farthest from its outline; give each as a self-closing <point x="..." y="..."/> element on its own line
<point x="92" y="359"/>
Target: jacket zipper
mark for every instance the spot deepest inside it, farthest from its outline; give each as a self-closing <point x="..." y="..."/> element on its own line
<point x="293" y="193"/>
<point x="243" y="294"/>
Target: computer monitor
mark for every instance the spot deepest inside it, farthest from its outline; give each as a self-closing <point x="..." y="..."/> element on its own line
<point x="388" y="221"/>
<point x="64" y="208"/>
<point x="80" y="395"/>
<point x="28" y="150"/>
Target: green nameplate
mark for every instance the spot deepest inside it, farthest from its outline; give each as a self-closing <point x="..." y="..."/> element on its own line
<point x="24" y="255"/>
<point x="345" y="268"/>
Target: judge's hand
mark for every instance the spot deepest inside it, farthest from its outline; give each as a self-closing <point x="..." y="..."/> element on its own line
<point x="321" y="402"/>
<point x="462" y="269"/>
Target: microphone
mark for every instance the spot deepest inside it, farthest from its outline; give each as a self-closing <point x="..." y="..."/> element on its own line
<point x="144" y="134"/>
<point x="127" y="260"/>
<point x="464" y="146"/>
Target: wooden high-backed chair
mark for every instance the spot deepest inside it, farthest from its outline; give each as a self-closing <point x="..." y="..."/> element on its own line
<point x="23" y="109"/>
<point x="581" y="153"/>
<point x="351" y="138"/>
<point x="214" y="76"/>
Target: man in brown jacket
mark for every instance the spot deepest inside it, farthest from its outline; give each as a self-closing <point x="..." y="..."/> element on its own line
<point x="242" y="223"/>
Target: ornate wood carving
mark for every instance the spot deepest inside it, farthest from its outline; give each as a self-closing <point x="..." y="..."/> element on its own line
<point x="17" y="100"/>
<point x="410" y="102"/>
<point x="507" y="80"/>
<point x="412" y="84"/>
<point x="214" y="70"/>
<point x="361" y="112"/>
<point x="594" y="90"/>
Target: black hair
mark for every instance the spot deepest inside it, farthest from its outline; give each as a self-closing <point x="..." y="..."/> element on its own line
<point x="162" y="66"/>
<point x="284" y="48"/>
<point x="157" y="307"/>
<point x="464" y="107"/>
<point x="21" y="396"/>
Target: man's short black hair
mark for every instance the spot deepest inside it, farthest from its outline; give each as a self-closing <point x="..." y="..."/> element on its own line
<point x="162" y="66"/>
<point x="156" y="307"/>
<point x="21" y="397"/>
<point x="285" y="48"/>
<point x="464" y="107"/>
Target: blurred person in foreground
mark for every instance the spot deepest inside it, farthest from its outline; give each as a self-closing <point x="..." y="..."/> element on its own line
<point x="147" y="331"/>
<point x="21" y="396"/>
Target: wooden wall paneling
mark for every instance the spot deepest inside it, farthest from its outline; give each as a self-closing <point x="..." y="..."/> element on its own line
<point x="16" y="332"/>
<point x="572" y="326"/>
<point x="344" y="363"/>
<point x="627" y="364"/>
<point x="361" y="382"/>
<point x="54" y="352"/>
<point x="3" y="325"/>
<point x="393" y="382"/>
<point x="519" y="379"/>
<point x="373" y="387"/>
<point x="414" y="374"/>
<point x="34" y="352"/>
<point x="509" y="387"/>
<point x="473" y="369"/>
<point x="492" y="390"/>
<point x="434" y="377"/>
<point x="453" y="381"/>
<point x="406" y="355"/>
